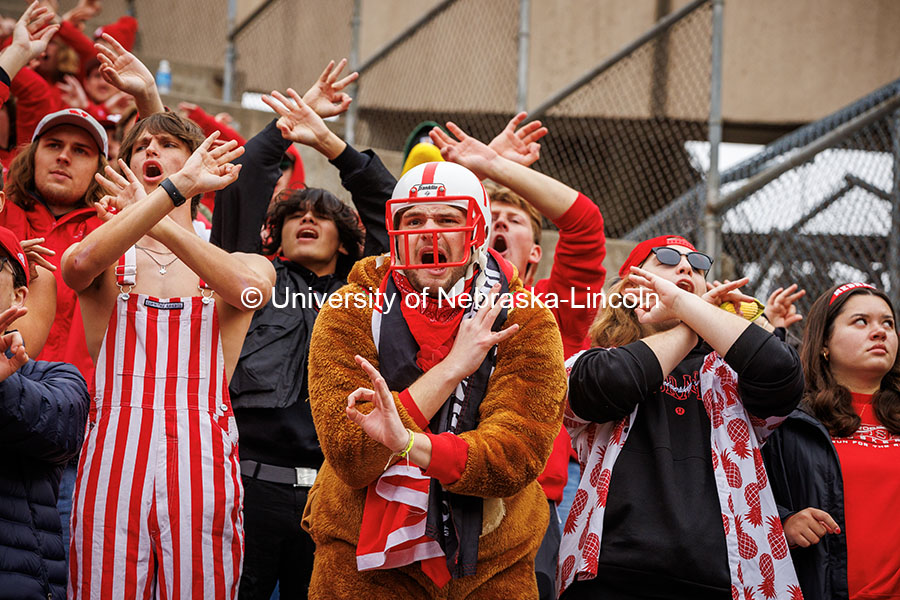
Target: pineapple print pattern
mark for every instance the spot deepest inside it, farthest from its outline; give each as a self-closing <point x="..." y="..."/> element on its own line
<point x="758" y="557"/>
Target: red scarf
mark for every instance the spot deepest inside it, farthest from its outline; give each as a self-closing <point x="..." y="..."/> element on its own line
<point x="432" y="321"/>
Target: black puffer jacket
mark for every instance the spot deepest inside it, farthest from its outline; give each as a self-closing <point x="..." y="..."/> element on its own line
<point x="804" y="470"/>
<point x="43" y="409"/>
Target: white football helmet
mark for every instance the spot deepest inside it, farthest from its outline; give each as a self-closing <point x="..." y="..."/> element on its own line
<point x="440" y="183"/>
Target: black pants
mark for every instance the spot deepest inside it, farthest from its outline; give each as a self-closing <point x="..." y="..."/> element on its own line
<point x="548" y="553"/>
<point x="276" y="549"/>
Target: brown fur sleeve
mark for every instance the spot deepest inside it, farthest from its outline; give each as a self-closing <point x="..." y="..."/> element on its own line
<point x="339" y="335"/>
<point x="521" y="412"/>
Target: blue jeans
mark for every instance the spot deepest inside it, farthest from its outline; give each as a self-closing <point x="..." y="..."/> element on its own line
<point x="64" y="503"/>
<point x="569" y="493"/>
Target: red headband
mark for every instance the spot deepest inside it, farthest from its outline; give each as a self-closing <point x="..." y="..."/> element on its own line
<point x="642" y="251"/>
<point x="846" y="288"/>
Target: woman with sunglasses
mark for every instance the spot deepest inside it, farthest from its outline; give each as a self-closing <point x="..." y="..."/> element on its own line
<point x="667" y="413"/>
<point x="835" y="462"/>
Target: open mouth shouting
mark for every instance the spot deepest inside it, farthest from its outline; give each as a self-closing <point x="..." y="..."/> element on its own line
<point x="500" y="245"/>
<point x="686" y="284"/>
<point x="153" y="173"/>
<point x="428" y="256"/>
<point x="307" y="233"/>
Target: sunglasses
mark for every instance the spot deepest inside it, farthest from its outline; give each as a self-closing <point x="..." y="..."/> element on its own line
<point x="671" y="257"/>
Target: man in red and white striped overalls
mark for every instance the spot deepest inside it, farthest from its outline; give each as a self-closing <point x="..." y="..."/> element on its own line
<point x="157" y="505"/>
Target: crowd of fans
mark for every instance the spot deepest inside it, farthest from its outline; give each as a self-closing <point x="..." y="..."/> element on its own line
<point x="414" y="406"/>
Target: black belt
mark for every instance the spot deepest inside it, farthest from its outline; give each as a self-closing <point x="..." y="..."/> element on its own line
<point x="296" y="476"/>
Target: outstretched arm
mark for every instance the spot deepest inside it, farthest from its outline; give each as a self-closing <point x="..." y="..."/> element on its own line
<point x="205" y="170"/>
<point x="552" y="198"/>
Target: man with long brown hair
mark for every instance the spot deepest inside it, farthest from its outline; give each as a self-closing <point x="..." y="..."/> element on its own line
<point x="50" y="193"/>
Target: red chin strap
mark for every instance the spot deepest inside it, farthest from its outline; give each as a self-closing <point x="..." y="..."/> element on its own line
<point x="474" y="228"/>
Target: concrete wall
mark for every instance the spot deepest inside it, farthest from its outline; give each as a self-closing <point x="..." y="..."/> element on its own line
<point x="785" y="62"/>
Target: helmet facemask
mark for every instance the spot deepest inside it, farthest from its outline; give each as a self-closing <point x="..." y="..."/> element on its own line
<point x="444" y="184"/>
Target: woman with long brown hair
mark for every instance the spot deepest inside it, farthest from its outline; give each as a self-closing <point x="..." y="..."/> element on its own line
<point x="667" y="413"/>
<point x="835" y="463"/>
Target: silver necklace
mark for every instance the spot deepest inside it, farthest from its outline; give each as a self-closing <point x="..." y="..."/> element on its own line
<point x="162" y="267"/>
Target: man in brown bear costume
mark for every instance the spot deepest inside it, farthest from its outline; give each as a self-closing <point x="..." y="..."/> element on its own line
<point x="429" y="487"/>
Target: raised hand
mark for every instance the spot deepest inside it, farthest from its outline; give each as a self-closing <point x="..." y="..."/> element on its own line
<point x="297" y="121"/>
<point x="464" y="150"/>
<point x="35" y="254"/>
<point x="209" y="168"/>
<point x="83" y="11"/>
<point x="119" y="103"/>
<point x="186" y="108"/>
<point x="780" y="308"/>
<point x="665" y="293"/>
<point x="326" y="96"/>
<point x="73" y="93"/>
<point x="806" y="527"/>
<point x="123" y="69"/>
<point x="383" y="423"/>
<point x="519" y="146"/>
<point x="31" y="34"/>
<point x="11" y="341"/>
<point x="475" y="338"/>
<point x="718" y="292"/>
<point x="122" y="191"/>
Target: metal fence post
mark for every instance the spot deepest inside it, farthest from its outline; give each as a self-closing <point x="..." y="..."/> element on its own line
<point x="893" y="257"/>
<point x="712" y="220"/>
<point x="524" y="38"/>
<point x="228" y="79"/>
<point x="350" y="123"/>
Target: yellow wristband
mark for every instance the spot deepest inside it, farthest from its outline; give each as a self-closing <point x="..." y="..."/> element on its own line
<point x="403" y="453"/>
<point x="412" y="437"/>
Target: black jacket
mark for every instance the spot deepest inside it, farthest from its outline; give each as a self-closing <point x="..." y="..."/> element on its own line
<point x="663" y="534"/>
<point x="43" y="410"/>
<point x="804" y="470"/>
<point x="270" y="376"/>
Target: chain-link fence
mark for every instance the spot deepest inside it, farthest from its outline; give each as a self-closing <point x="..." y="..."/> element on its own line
<point x="619" y="134"/>
<point x="622" y="137"/>
<point x="288" y="43"/>
<point x="817" y="207"/>
<point x="185" y="33"/>
<point x="460" y="65"/>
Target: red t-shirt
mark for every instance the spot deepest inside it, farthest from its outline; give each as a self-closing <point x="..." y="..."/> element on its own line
<point x="870" y="465"/>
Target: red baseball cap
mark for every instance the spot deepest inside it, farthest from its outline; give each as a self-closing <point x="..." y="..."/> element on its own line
<point x="10" y="243"/>
<point x="642" y="251"/>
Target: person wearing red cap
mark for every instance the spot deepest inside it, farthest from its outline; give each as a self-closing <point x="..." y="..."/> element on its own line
<point x="43" y="410"/>
<point x="667" y="413"/>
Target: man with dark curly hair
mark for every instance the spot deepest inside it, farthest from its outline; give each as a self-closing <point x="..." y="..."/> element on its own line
<point x="314" y="239"/>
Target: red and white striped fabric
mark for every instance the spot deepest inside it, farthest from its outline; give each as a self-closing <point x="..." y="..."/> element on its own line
<point x="393" y="526"/>
<point x="757" y="549"/>
<point x="157" y="503"/>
